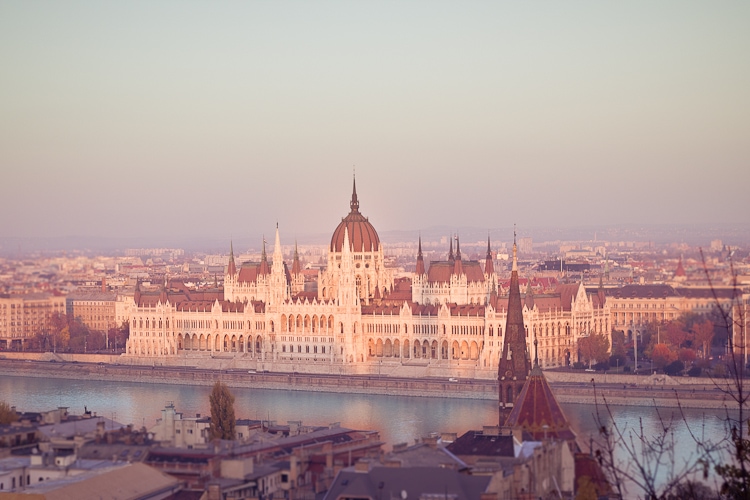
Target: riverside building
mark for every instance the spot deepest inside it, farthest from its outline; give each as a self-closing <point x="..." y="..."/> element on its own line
<point x="445" y="320"/>
<point x="23" y="316"/>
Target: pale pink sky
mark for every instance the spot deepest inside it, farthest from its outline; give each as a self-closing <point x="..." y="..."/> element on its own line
<point x="222" y="118"/>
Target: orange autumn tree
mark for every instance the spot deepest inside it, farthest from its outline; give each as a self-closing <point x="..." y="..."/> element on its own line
<point x="662" y="355"/>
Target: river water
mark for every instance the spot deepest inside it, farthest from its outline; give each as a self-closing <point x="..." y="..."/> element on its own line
<point x="398" y="418"/>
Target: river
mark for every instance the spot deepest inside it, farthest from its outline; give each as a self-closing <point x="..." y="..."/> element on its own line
<point x="398" y="418"/>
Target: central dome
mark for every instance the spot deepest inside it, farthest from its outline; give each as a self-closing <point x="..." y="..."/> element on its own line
<point x="362" y="236"/>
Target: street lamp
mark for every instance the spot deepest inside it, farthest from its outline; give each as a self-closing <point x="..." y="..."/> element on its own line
<point x="635" y="350"/>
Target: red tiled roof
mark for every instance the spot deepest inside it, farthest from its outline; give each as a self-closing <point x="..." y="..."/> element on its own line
<point x="567" y="292"/>
<point x="441" y="271"/>
<point x="248" y="273"/>
<point x="466" y="310"/>
<point x="537" y="412"/>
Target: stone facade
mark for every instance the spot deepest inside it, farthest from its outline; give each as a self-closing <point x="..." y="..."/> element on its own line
<point x="361" y="316"/>
<point x="634" y="306"/>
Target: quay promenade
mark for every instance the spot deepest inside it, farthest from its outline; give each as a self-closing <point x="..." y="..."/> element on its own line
<point x="569" y="386"/>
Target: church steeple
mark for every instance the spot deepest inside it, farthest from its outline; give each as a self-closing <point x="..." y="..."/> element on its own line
<point x="680" y="271"/>
<point x="515" y="363"/>
<point x="450" y="251"/>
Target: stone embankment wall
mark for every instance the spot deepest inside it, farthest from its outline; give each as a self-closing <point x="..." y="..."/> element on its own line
<point x="569" y="387"/>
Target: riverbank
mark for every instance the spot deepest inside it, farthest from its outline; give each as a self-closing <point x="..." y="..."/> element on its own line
<point x="569" y="387"/>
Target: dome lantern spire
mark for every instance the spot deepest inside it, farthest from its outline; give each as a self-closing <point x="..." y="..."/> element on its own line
<point x="354" y="204"/>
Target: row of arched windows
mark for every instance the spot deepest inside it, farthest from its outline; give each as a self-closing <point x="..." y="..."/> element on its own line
<point x="423" y="349"/>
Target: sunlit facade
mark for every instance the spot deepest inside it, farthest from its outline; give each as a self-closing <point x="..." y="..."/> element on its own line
<point x="446" y="319"/>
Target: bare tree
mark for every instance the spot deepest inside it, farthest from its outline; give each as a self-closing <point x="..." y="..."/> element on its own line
<point x="634" y="458"/>
<point x="651" y="463"/>
<point x="735" y="473"/>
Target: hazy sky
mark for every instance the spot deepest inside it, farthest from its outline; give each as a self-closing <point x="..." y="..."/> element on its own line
<point x="222" y="118"/>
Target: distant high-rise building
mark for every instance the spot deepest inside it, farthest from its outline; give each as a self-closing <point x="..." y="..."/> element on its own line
<point x="24" y="316"/>
<point x="525" y="245"/>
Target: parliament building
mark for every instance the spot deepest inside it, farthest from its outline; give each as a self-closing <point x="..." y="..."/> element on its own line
<point x="447" y="319"/>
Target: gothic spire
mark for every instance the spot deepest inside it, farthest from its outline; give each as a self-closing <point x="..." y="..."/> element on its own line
<point x="489" y="266"/>
<point x="277" y="254"/>
<point x="450" y="252"/>
<point x="231" y="268"/>
<point x="296" y="267"/>
<point x="515" y="363"/>
<point x="420" y="259"/>
<point x="458" y="268"/>
<point x="264" y="268"/>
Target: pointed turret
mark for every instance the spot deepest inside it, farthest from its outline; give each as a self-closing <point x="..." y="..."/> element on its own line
<point x="347" y="286"/>
<point x="420" y="260"/>
<point x="297" y="278"/>
<point x="231" y="268"/>
<point x="278" y="256"/>
<point x="458" y="267"/>
<point x="515" y="363"/>
<point x="450" y="252"/>
<point x="489" y="266"/>
<point x="264" y="268"/>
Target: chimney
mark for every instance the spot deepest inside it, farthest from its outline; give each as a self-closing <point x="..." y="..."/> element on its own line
<point x="362" y="466"/>
<point x="399" y="447"/>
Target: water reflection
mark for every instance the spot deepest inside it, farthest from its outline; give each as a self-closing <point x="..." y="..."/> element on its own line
<point x="398" y="418"/>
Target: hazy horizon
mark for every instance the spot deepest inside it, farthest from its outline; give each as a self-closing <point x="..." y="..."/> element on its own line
<point x="736" y="236"/>
<point x="177" y="120"/>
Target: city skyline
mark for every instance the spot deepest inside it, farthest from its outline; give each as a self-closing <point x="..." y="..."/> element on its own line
<point x="181" y="121"/>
